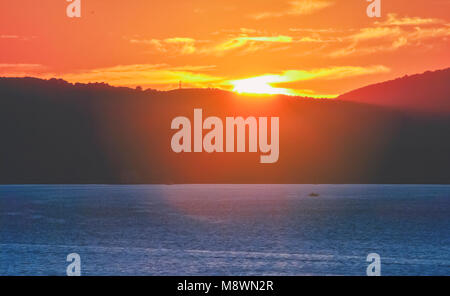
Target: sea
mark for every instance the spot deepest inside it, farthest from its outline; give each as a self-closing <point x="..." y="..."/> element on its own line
<point x="225" y="229"/>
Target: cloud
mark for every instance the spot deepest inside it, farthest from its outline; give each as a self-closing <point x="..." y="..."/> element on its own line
<point x="153" y="75"/>
<point x="21" y="66"/>
<point x="394" y="20"/>
<point x="393" y="34"/>
<point x="182" y="45"/>
<point x="243" y="40"/>
<point x="300" y="7"/>
<point x="326" y="30"/>
<point x="267" y="84"/>
<point x="19" y="69"/>
<point x="9" y="37"/>
<point x="421" y="34"/>
<point x="188" y="46"/>
<point x="16" y="37"/>
<point x="375" y="32"/>
<point x="332" y="73"/>
<point x="157" y="44"/>
<point x="369" y="49"/>
<point x="248" y="31"/>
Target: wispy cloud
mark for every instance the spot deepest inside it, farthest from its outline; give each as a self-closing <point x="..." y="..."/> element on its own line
<point x="375" y="32"/>
<point x="187" y="46"/>
<point x="181" y="45"/>
<point x="22" y="66"/>
<point x="9" y="37"/>
<point x="393" y="34"/>
<point x="267" y="84"/>
<point x="253" y="43"/>
<point x="19" y="69"/>
<point x="17" y="37"/>
<point x="300" y="7"/>
<point x="162" y="76"/>
<point x="394" y="20"/>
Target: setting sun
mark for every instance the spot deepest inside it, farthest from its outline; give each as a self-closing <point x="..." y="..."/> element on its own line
<point x="260" y="85"/>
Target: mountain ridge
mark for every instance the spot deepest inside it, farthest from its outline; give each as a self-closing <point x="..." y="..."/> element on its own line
<point x="425" y="92"/>
<point x="53" y="131"/>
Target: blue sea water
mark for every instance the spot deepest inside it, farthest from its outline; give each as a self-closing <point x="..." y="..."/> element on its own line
<point x="225" y="229"/>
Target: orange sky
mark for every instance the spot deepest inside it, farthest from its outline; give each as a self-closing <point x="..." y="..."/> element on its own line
<point x="304" y="47"/>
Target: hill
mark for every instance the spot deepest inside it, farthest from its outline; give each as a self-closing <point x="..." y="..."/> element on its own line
<point x="56" y="132"/>
<point x="427" y="92"/>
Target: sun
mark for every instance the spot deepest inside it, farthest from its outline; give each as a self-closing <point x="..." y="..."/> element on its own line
<point x="264" y="85"/>
<point x="260" y="85"/>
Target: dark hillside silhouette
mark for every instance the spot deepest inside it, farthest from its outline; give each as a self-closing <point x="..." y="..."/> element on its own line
<point x="427" y="92"/>
<point x="56" y="132"/>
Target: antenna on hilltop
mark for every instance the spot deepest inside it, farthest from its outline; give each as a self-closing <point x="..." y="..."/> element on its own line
<point x="179" y="86"/>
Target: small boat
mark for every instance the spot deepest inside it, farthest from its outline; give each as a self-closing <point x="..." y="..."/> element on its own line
<point x="313" y="194"/>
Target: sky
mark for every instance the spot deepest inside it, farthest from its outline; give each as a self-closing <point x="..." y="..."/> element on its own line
<point x="317" y="48"/>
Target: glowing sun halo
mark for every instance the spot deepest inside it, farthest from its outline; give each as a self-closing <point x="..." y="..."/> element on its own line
<point x="261" y="85"/>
